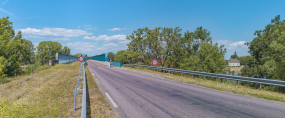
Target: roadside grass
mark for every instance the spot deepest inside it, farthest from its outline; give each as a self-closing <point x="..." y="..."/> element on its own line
<point x="48" y="92"/>
<point x="223" y="86"/>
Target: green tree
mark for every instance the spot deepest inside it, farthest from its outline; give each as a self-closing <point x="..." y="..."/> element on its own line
<point x="66" y="50"/>
<point x="267" y="54"/>
<point x="120" y="56"/>
<point x="2" y="68"/>
<point x="234" y="55"/>
<point x="46" y="51"/>
<point x="209" y="58"/>
<point x="110" y="55"/>
<point x="86" y="57"/>
<point x="13" y="49"/>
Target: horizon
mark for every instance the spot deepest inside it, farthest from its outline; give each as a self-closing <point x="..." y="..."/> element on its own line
<point x="101" y="27"/>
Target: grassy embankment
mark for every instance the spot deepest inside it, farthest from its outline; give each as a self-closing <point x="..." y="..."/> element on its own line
<point x="236" y="69"/>
<point x="223" y="86"/>
<point x="49" y="92"/>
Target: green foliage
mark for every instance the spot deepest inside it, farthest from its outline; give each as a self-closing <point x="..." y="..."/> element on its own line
<point x="234" y="55"/>
<point x="2" y="68"/>
<point x="15" y="50"/>
<point x="193" y="51"/>
<point x="46" y="51"/>
<point x="267" y="53"/>
<point x="86" y="57"/>
<point x="76" y="55"/>
<point x="66" y="50"/>
<point x="245" y="60"/>
<point x="110" y="55"/>
<point x="209" y="58"/>
<point x="120" y="56"/>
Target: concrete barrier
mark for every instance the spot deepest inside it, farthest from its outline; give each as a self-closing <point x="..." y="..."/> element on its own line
<point x="107" y="64"/>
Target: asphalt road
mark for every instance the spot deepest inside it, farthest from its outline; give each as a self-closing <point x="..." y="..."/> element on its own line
<point x="136" y="95"/>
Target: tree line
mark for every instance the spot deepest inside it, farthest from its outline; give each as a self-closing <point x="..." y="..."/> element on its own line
<point x="195" y="51"/>
<point x="192" y="51"/>
<point x="267" y="56"/>
<point x="16" y="51"/>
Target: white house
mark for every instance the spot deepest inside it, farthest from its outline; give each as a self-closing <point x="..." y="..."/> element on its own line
<point x="233" y="62"/>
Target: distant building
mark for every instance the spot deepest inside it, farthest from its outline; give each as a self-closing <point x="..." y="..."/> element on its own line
<point x="233" y="62"/>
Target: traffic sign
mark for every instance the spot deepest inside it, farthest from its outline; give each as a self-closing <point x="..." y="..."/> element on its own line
<point x="80" y="58"/>
<point x="154" y="62"/>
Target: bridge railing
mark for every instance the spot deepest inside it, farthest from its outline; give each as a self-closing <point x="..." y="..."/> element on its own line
<point x="64" y="59"/>
<point x="219" y="76"/>
<point x="118" y="64"/>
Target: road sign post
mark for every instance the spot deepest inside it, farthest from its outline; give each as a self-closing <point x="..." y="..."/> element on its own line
<point x="154" y="62"/>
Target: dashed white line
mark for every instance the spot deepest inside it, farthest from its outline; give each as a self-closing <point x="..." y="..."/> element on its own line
<point x="112" y="101"/>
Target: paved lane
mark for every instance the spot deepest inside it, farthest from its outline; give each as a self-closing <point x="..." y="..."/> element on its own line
<point x="141" y="96"/>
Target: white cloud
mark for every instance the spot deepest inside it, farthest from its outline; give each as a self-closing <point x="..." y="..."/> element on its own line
<point x="125" y="42"/>
<point x="101" y="48"/>
<point x="107" y="38"/>
<point x="231" y="47"/>
<point x="114" y="29"/>
<point x="88" y="28"/>
<point x="78" y="26"/>
<point x="82" y="46"/>
<point x="124" y="28"/>
<point x="32" y="36"/>
<point x="91" y="37"/>
<point x="87" y="25"/>
<point x="53" y="32"/>
<point x="61" y="39"/>
<point x="110" y="44"/>
<point x="235" y="44"/>
<point x="7" y="12"/>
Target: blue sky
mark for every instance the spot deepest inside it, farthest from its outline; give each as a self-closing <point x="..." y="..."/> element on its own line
<point x="95" y="27"/>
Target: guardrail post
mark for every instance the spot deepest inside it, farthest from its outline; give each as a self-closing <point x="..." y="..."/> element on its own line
<point x="238" y="82"/>
<point x="219" y="80"/>
<point x="192" y="75"/>
<point x="260" y="85"/>
<point x="204" y="78"/>
<point x="181" y="74"/>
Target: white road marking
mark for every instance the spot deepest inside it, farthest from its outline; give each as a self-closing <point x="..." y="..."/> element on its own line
<point x="112" y="101"/>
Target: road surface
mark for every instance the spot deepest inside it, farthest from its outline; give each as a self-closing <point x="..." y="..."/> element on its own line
<point x="134" y="95"/>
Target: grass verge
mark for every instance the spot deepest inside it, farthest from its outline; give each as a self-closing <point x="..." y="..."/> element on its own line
<point x="46" y="93"/>
<point x="223" y="86"/>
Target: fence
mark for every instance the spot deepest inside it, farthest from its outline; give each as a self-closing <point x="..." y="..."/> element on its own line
<point x="219" y="76"/>
<point x="102" y="57"/>
<point x="81" y="77"/>
<point x="118" y="64"/>
<point x="64" y="59"/>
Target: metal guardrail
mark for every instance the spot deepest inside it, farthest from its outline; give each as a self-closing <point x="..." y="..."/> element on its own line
<point x="220" y="76"/>
<point x="81" y="77"/>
